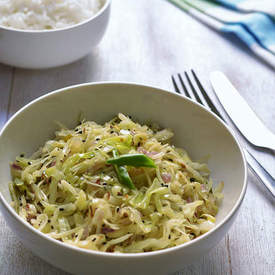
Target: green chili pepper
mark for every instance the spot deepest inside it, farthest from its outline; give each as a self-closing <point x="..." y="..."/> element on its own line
<point x="122" y="174"/>
<point x="136" y="160"/>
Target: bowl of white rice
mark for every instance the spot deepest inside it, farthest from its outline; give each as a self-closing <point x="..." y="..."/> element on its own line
<point x="40" y="34"/>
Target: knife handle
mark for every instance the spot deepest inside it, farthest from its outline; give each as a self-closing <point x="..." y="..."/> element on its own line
<point x="260" y="172"/>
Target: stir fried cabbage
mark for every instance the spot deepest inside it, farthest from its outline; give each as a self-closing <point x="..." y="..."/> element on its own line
<point x="68" y="191"/>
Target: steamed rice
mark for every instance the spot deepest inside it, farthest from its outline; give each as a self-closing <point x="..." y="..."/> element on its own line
<point x="46" y="14"/>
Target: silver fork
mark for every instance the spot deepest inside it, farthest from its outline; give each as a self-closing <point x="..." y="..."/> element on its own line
<point x="200" y="96"/>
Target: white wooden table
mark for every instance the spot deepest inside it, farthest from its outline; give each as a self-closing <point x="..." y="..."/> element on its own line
<point x="146" y="42"/>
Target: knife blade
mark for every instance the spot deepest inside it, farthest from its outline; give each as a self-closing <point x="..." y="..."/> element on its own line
<point x="240" y="113"/>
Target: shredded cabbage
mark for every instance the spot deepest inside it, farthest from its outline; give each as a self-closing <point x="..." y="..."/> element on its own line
<point x="68" y="191"/>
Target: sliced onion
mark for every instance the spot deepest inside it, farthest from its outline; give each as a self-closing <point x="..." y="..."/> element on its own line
<point x="189" y="199"/>
<point x="203" y="187"/>
<point x="166" y="177"/>
<point x="147" y="153"/>
<point x="16" y="167"/>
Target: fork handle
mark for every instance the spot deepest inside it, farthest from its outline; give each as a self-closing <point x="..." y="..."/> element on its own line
<point x="260" y="172"/>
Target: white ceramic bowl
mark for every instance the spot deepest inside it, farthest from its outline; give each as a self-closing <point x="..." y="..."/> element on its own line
<point x="196" y="129"/>
<point x="40" y="49"/>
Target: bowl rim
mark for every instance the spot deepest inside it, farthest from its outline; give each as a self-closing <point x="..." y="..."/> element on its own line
<point x="107" y="3"/>
<point x="169" y="250"/>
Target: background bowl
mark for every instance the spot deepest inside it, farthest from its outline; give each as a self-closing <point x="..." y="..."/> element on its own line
<point x="40" y="49"/>
<point x="198" y="131"/>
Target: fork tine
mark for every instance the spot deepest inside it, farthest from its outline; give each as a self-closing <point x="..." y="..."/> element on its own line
<point x="175" y="85"/>
<point x="184" y="87"/>
<point x="193" y="89"/>
<point x="206" y="97"/>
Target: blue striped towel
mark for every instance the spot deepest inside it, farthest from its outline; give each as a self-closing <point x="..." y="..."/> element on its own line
<point x="252" y="21"/>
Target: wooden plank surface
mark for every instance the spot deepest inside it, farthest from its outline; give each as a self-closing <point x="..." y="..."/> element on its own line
<point x="147" y="44"/>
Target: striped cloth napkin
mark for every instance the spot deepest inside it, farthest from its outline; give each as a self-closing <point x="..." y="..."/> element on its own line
<point x="252" y="21"/>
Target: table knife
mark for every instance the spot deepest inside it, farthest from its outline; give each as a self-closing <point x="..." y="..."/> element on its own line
<point x="240" y="113"/>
